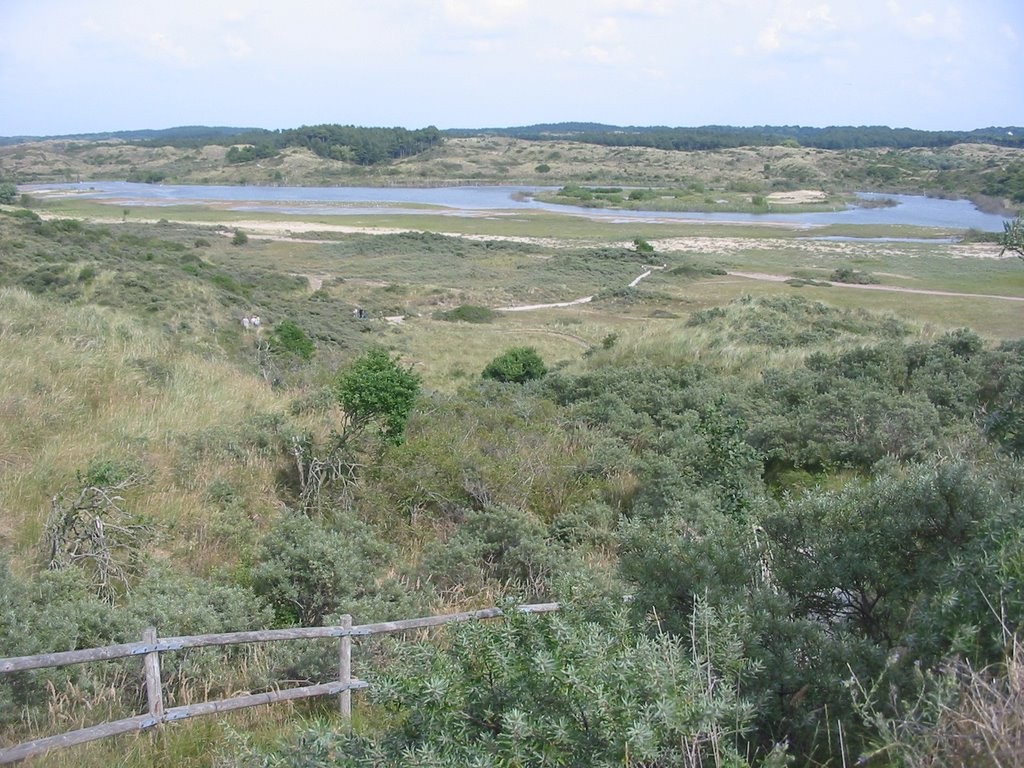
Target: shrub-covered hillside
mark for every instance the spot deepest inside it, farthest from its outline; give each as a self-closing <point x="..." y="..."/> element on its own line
<point x="823" y="555"/>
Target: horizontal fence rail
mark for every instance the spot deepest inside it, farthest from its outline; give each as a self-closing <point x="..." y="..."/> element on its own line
<point x="151" y="646"/>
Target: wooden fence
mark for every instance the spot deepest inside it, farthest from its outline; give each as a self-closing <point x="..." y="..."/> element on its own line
<point x="150" y="647"/>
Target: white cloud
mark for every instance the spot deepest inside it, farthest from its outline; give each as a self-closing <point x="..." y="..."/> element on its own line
<point x="160" y="46"/>
<point x="464" y="62"/>
<point x="237" y="47"/>
<point x="484" y="14"/>
<point x="798" y="27"/>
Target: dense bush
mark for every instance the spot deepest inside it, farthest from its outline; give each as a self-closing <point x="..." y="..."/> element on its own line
<point x="57" y="610"/>
<point x="853" y="276"/>
<point x="791" y="321"/>
<point x="306" y="570"/>
<point x="287" y="338"/>
<point x="500" y="547"/>
<point x="567" y="689"/>
<point x="468" y="313"/>
<point x="516" y="365"/>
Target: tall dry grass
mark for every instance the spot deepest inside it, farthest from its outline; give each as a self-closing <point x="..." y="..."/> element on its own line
<point x="80" y="384"/>
<point x="963" y="717"/>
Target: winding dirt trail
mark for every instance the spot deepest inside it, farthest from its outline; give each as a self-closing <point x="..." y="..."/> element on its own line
<point x="574" y="302"/>
<point x="766" y="277"/>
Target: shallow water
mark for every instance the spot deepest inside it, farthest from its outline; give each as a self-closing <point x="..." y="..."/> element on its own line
<point x="911" y="210"/>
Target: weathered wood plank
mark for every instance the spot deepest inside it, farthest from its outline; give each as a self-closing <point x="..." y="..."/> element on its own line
<point x="142" y="722"/>
<point x="63" y="658"/>
<point x="154" y="686"/>
<point x="345" y="670"/>
<point x="449" y="618"/>
<point x="42" y="661"/>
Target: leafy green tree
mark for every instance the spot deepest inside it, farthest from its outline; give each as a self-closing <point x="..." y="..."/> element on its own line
<point x="376" y="390"/>
<point x="516" y="365"/>
<point x="247" y="153"/>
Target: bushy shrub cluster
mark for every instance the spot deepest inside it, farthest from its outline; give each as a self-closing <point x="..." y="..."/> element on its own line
<point x="468" y="313"/>
<point x="516" y="365"/>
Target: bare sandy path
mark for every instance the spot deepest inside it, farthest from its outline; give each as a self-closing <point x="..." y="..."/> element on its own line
<point x="890" y="288"/>
<point x="574" y="302"/>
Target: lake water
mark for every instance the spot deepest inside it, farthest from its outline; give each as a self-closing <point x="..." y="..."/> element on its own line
<point x="911" y="210"/>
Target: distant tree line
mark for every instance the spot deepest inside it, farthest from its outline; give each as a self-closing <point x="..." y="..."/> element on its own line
<point x="398" y="142"/>
<point x="364" y="146"/>
<point x="725" y="137"/>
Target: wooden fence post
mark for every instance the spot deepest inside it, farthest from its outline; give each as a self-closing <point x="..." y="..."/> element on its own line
<point x="345" y="668"/>
<point x="154" y="688"/>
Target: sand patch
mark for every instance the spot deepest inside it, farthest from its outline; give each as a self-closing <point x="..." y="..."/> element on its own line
<point x="798" y="197"/>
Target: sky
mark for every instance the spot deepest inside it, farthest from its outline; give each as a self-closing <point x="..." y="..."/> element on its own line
<point x="79" y="66"/>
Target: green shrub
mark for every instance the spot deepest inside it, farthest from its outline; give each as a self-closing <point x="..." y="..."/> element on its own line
<point x="239" y="238"/>
<point x="306" y="570"/>
<point x="642" y="246"/>
<point x="499" y="545"/>
<point x="56" y="611"/>
<point x="8" y="193"/>
<point x="468" y="313"/>
<point x="517" y="365"/>
<point x="853" y="276"/>
<point x="576" y="688"/>
<point x="288" y="339"/>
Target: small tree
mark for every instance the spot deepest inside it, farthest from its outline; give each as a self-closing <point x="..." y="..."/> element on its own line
<point x="1013" y="236"/>
<point x="516" y="365"/>
<point x="377" y="390"/>
<point x="240" y="238"/>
